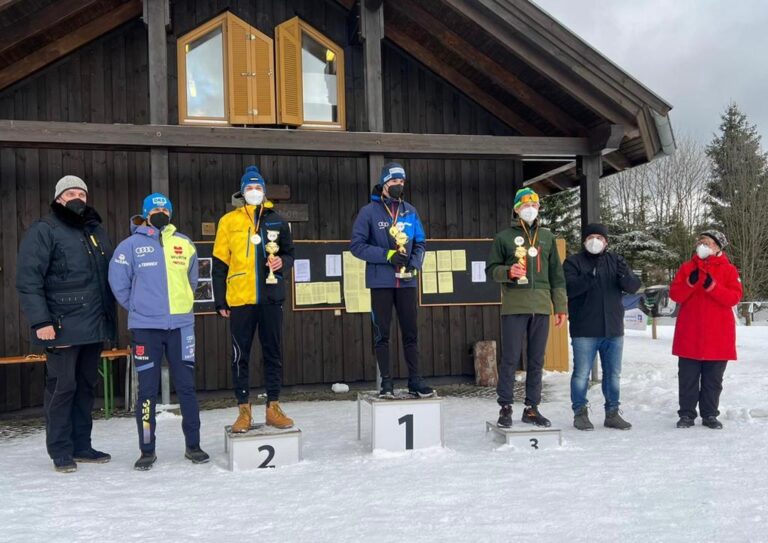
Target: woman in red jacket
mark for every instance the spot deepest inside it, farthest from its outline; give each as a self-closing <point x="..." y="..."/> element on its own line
<point x="706" y="287"/>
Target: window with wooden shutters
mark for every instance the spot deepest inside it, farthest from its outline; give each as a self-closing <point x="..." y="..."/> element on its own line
<point x="226" y="74"/>
<point x="310" y="77"/>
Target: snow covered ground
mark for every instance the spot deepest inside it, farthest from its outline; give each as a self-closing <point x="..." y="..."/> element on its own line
<point x="653" y="483"/>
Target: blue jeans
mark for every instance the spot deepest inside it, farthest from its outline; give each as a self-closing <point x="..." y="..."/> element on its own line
<point x="584" y="351"/>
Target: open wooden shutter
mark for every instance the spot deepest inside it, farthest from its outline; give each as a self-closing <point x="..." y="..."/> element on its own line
<point x="289" y="90"/>
<point x="263" y="82"/>
<point x="238" y="51"/>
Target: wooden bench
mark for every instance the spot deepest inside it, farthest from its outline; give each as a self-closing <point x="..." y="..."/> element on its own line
<point x="105" y="371"/>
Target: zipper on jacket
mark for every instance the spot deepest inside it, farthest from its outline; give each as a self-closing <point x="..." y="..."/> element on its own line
<point x="248" y="243"/>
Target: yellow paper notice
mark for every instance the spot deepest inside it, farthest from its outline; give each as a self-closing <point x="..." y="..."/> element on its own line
<point x="430" y="262"/>
<point x="357" y="298"/>
<point x="429" y="283"/>
<point x="445" y="282"/>
<point x="333" y="292"/>
<point x="303" y="294"/>
<point x="444" y="261"/>
<point x="459" y="260"/>
<point x="318" y="293"/>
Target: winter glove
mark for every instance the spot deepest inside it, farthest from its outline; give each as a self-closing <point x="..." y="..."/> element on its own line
<point x="621" y="267"/>
<point x="413" y="271"/>
<point x="708" y="282"/>
<point x="694" y="277"/>
<point x="396" y="258"/>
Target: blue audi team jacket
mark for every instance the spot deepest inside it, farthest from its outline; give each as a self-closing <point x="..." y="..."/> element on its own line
<point x="371" y="241"/>
<point x="154" y="275"/>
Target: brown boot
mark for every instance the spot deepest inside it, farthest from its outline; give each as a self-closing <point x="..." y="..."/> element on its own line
<point x="243" y="422"/>
<point x="276" y="417"/>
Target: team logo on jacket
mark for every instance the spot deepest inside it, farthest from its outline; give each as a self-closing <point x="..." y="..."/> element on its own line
<point x="383" y="225"/>
<point x="139" y="350"/>
<point x="121" y="260"/>
<point x="147" y="249"/>
<point x="178" y="250"/>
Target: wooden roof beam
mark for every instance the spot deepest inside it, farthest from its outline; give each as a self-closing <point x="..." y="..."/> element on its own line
<point x="495" y="72"/>
<point x="599" y="66"/>
<point x="65" y="45"/>
<point x="460" y="81"/>
<point x="41" y="21"/>
<point x="44" y="134"/>
<point x="498" y="25"/>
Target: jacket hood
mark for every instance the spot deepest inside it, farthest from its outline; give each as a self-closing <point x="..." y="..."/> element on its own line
<point x="713" y="260"/>
<point x="238" y="201"/>
<point x="139" y="226"/>
<point x="377" y="196"/>
<point x="514" y="220"/>
<point x="90" y="216"/>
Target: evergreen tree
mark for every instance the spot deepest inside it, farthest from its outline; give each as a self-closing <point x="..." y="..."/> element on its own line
<point x="561" y="213"/>
<point x="738" y="198"/>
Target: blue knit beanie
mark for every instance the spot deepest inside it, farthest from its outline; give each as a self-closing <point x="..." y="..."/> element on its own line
<point x="252" y="176"/>
<point x="155" y="200"/>
<point x="391" y="170"/>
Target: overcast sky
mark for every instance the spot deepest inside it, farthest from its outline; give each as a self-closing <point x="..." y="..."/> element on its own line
<point x="698" y="55"/>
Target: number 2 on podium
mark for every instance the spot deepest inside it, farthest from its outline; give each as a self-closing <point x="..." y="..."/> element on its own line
<point x="408" y="421"/>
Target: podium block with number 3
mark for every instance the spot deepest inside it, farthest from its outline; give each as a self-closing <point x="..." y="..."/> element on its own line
<point x="262" y="447"/>
<point x="404" y="423"/>
<point x="525" y="436"/>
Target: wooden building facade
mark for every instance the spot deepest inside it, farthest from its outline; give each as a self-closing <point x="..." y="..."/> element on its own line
<point x="84" y="92"/>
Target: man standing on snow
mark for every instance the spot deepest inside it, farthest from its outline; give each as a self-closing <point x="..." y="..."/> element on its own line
<point x="596" y="280"/>
<point x="525" y="261"/>
<point x="388" y="235"/>
<point x="154" y="276"/>
<point x="61" y="277"/>
<point x="252" y="257"/>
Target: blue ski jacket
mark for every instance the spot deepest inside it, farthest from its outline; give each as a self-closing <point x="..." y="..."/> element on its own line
<point x="153" y="275"/>
<point x="371" y="241"/>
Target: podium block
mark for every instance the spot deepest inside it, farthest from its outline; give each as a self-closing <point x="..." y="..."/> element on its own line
<point x="262" y="447"/>
<point x="526" y="437"/>
<point x="403" y="423"/>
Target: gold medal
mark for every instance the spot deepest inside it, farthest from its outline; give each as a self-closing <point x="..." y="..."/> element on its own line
<point x="255" y="239"/>
<point x="393" y="231"/>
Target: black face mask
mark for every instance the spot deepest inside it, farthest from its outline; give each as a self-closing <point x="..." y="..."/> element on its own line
<point x="76" y="206"/>
<point x="395" y="191"/>
<point x="159" y="220"/>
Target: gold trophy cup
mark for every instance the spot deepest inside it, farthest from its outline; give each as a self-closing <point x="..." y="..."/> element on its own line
<point x="401" y="239"/>
<point x="272" y="248"/>
<point x="521" y="255"/>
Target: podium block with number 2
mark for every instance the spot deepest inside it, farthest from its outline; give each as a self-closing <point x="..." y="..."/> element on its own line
<point x="262" y="447"/>
<point x="404" y="423"/>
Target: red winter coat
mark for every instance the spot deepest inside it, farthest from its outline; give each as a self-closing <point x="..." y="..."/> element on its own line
<point x="706" y="327"/>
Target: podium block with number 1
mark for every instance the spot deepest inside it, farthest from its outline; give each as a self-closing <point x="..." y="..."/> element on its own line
<point x="403" y="423"/>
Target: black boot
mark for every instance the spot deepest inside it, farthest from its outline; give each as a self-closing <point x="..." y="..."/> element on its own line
<point x="145" y="461"/>
<point x="505" y="416"/>
<point x="417" y="387"/>
<point x="196" y="455"/>
<point x="685" y="422"/>
<point x="713" y="423"/>
<point x="387" y="390"/>
<point x="64" y="464"/>
<point x="93" y="456"/>
<point x="531" y="415"/>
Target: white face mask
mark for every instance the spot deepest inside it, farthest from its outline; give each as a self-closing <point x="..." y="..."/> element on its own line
<point x="254" y="197"/>
<point x="529" y="214"/>
<point x="594" y="246"/>
<point x="703" y="251"/>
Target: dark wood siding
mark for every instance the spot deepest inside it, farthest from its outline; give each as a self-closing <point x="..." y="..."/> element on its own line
<point x="106" y="81"/>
